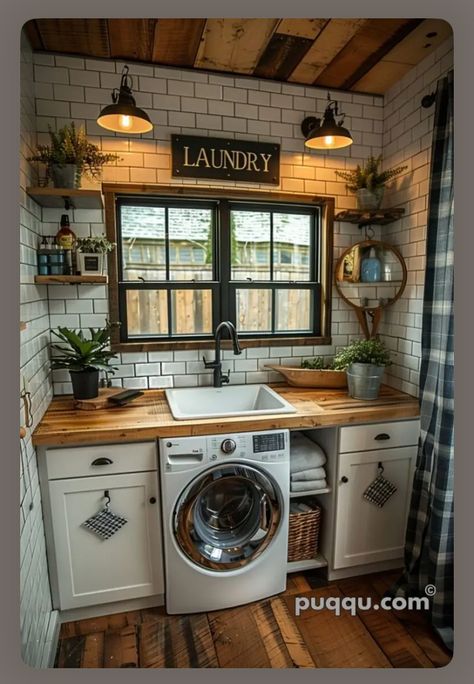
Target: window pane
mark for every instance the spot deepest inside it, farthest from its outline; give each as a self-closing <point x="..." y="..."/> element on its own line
<point x="254" y="310"/>
<point x="143" y="242"/>
<point x="191" y="312"/>
<point x="250" y="245"/>
<point x="291" y="245"/>
<point x="293" y="310"/>
<point x="190" y="237"/>
<point x="147" y="312"/>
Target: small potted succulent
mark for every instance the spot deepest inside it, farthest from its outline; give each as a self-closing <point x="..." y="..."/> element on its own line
<point x="70" y="155"/>
<point x="90" y="254"/>
<point x="364" y="362"/>
<point x="83" y="358"/>
<point x="368" y="183"/>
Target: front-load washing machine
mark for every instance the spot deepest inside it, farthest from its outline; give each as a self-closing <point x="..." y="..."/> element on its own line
<point x="225" y="502"/>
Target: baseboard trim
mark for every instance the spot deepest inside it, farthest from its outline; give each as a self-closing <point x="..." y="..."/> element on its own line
<point x="356" y="570"/>
<point x="111" y="608"/>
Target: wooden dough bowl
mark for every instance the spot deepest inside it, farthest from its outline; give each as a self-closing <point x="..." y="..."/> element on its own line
<point x="306" y="377"/>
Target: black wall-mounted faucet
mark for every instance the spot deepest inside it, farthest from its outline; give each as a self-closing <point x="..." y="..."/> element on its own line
<point x="216" y="365"/>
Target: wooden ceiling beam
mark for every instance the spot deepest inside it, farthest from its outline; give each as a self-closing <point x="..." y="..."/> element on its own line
<point x="281" y="56"/>
<point x="131" y="38"/>
<point x="33" y="35"/>
<point x="176" y="41"/>
<point x="370" y="39"/>
<point x="87" y="37"/>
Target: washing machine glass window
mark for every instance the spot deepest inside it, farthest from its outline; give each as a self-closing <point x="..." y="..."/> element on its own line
<point x="227" y="516"/>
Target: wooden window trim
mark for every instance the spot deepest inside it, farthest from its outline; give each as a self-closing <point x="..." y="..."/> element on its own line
<point x="110" y="192"/>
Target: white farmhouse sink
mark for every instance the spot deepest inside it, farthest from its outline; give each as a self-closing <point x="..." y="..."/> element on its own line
<point x="217" y="402"/>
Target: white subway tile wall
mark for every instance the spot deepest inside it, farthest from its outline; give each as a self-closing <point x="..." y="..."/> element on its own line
<point x="38" y="622"/>
<point x="407" y="136"/>
<point x="180" y="101"/>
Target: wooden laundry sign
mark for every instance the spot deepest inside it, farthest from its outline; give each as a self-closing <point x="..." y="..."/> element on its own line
<point x="223" y="159"/>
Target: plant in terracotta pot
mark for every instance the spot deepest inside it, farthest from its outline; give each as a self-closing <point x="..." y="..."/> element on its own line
<point x="70" y="155"/>
<point x="91" y="252"/>
<point x="364" y="362"/>
<point x="368" y="182"/>
<point x="83" y="357"/>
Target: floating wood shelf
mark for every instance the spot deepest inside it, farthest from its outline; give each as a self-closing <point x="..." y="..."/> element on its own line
<point x="70" y="279"/>
<point x="298" y="566"/>
<point x="67" y="198"/>
<point x="380" y="217"/>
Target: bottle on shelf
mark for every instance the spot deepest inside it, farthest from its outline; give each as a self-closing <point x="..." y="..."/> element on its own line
<point x="370" y="271"/>
<point x="43" y="257"/>
<point x="66" y="240"/>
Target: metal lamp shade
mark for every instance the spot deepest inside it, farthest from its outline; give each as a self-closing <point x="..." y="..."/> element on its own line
<point x="124" y="118"/>
<point x="328" y="136"/>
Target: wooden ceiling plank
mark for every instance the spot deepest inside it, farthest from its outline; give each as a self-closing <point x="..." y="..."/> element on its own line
<point x="371" y="37"/>
<point x="33" y="35"/>
<point x="329" y="42"/>
<point x="281" y="56"/>
<point x="75" y="36"/>
<point x="131" y="38"/>
<point x="234" y="45"/>
<point x="379" y="54"/>
<point x="304" y="28"/>
<point x="404" y="56"/>
<point x="417" y="45"/>
<point x="176" y="41"/>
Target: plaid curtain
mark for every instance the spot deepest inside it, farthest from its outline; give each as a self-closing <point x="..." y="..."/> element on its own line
<point x="429" y="537"/>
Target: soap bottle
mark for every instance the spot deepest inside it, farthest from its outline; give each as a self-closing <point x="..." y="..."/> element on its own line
<point x="66" y="239"/>
<point x="370" y="271"/>
<point x="43" y="257"/>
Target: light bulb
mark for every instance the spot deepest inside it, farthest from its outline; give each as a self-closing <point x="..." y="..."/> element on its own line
<point x="329" y="140"/>
<point x="125" y="121"/>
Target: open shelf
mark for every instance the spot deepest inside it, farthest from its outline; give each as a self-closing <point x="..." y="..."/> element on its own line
<point x="380" y="217"/>
<point x="67" y="198"/>
<point x="70" y="279"/>
<point x="298" y="566"/>
<point x="311" y="492"/>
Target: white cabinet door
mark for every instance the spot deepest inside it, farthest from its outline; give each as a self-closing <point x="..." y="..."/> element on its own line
<point x="366" y="533"/>
<point x="129" y="564"/>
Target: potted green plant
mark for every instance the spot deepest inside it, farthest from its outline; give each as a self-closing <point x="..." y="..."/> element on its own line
<point x="368" y="183"/>
<point x="364" y="362"/>
<point x="83" y="358"/>
<point x="70" y="155"/>
<point x="91" y="252"/>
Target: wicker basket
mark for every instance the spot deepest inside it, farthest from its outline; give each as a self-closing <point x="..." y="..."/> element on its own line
<point x="303" y="534"/>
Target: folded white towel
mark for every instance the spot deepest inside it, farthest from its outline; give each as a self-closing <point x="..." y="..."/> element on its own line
<point x="308" y="485"/>
<point x="304" y="454"/>
<point x="311" y="474"/>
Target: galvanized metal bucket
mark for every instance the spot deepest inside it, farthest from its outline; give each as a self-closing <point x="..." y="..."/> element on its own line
<point x="65" y="175"/>
<point x="364" y="380"/>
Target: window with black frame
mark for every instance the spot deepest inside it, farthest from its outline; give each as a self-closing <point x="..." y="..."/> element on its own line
<point x="185" y="265"/>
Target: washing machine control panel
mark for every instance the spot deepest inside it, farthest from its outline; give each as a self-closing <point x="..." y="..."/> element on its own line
<point x="184" y="453"/>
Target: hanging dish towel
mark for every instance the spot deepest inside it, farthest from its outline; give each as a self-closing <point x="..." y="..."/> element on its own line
<point x="380" y="490"/>
<point x="105" y="523"/>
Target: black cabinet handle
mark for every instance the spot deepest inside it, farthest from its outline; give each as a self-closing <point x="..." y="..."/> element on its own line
<point x="344" y="479"/>
<point x="102" y="461"/>
<point x="152" y="499"/>
<point x="382" y="435"/>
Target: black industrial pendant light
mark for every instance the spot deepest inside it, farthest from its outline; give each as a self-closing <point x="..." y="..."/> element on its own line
<point x="123" y="116"/>
<point x="328" y="135"/>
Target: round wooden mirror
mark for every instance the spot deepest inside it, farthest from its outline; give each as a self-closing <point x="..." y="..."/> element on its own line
<point x="370" y="275"/>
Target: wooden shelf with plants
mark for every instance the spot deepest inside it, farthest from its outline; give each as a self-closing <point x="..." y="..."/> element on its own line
<point x="70" y="279"/>
<point x="67" y="198"/>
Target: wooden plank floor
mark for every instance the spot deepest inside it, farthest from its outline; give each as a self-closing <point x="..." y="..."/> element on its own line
<point x="264" y="634"/>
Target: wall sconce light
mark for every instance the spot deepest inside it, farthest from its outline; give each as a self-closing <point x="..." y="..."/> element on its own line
<point x="123" y="116"/>
<point x="328" y="135"/>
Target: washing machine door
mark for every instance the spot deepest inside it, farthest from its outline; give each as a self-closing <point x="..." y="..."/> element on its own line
<point x="227" y="516"/>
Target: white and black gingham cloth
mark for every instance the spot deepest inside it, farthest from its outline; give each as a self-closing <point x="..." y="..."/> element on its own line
<point x="379" y="491"/>
<point x="105" y="523"/>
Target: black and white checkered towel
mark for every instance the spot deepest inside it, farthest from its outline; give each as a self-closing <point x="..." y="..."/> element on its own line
<point x="105" y="523"/>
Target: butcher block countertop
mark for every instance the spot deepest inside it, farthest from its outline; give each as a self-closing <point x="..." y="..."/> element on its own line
<point x="149" y="417"/>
